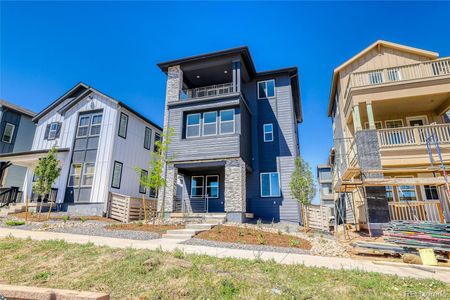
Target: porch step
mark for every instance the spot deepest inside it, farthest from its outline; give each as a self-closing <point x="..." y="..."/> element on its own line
<point x="201" y="226"/>
<point x="176" y="236"/>
<point x="188" y="232"/>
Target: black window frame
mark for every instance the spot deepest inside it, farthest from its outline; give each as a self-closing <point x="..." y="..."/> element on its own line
<point x="155" y="147"/>
<point x="149" y="139"/>
<point x="12" y="133"/>
<point x="112" y="177"/>
<point x="142" y="188"/>
<point x="126" y="125"/>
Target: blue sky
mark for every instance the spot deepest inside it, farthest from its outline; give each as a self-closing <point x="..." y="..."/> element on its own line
<point x="46" y="48"/>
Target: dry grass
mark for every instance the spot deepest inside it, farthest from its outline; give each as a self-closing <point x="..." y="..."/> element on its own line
<point x="144" y="227"/>
<point x="34" y="217"/>
<point x="233" y="234"/>
<point x="129" y="274"/>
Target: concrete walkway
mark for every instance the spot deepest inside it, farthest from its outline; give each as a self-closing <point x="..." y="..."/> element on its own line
<point x="337" y="263"/>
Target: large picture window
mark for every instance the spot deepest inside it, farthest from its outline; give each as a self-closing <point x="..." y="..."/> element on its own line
<point x="117" y="175"/>
<point x="270" y="184"/>
<point x="197" y="187"/>
<point x="8" y="133"/>
<point x="193" y="125"/>
<point x="266" y="89"/>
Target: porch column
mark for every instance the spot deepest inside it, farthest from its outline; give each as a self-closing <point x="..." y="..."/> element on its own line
<point x="235" y="190"/>
<point x="356" y="117"/>
<point x="370" y="115"/>
<point x="167" y="193"/>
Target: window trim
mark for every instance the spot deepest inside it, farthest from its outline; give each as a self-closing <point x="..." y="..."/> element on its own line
<point x="120" y="176"/>
<point x="50" y="130"/>
<point x="79" y="126"/>
<point x="150" y="138"/>
<point x="274" y="88"/>
<point x="203" y="122"/>
<point x="91" y="124"/>
<point x="270" y="185"/>
<point x="271" y="132"/>
<point x="425" y="198"/>
<point x="199" y="125"/>
<point x="155" y="196"/>
<point x="401" y="120"/>
<point x="126" y="125"/>
<point x="398" y="190"/>
<point x="423" y="118"/>
<point x="144" y="190"/>
<point x="206" y="186"/>
<point x="12" y="133"/>
<point x="366" y="125"/>
<point x="203" y="186"/>
<point x="233" y="121"/>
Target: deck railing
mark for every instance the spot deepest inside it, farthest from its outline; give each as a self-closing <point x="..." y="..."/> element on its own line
<point x="426" y="69"/>
<point x="417" y="135"/>
<point x="207" y="91"/>
<point x="429" y="210"/>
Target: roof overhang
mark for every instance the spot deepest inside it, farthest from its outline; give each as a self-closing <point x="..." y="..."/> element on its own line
<point x="31" y="158"/>
<point x="378" y="44"/>
<point x="17" y="108"/>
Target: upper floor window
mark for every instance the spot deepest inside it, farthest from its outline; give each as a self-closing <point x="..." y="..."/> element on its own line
<point x="83" y="126"/>
<point x="326" y="189"/>
<point x="393" y="123"/>
<point x="96" y="124"/>
<point x="375" y="77"/>
<point x="157" y="142"/>
<point x="193" y="125"/>
<point x="147" y="138"/>
<point x="8" y="133"/>
<point x="210" y="123"/>
<point x="142" y="188"/>
<point x="268" y="132"/>
<point x="266" y="89"/>
<point x="88" y="125"/>
<point x="123" y="124"/>
<point x="431" y="192"/>
<point x="227" y="121"/>
<point x="270" y="184"/>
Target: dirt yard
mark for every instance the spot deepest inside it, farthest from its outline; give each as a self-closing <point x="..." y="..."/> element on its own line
<point x="160" y="229"/>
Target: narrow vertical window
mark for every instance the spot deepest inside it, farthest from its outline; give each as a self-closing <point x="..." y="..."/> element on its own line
<point x="123" y="124"/>
<point x="157" y="142"/>
<point x="117" y="175"/>
<point x="88" y="174"/>
<point x="210" y="123"/>
<point x="212" y="186"/>
<point x="268" y="132"/>
<point x="96" y="124"/>
<point x="147" y="138"/>
<point x="142" y="188"/>
<point x="266" y="89"/>
<point x="193" y="125"/>
<point x="197" y="187"/>
<point x="83" y="126"/>
<point x="54" y="130"/>
<point x="75" y="175"/>
<point x="8" y="133"/>
<point x="227" y="121"/>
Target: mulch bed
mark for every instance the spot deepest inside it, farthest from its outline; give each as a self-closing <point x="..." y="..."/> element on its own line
<point x="33" y="217"/>
<point x="232" y="234"/>
<point x="144" y="227"/>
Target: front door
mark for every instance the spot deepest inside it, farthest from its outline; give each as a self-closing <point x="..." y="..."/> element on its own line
<point x="82" y="170"/>
<point x="417" y="121"/>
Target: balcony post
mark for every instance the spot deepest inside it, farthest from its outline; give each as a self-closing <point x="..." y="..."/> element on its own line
<point x="370" y="115"/>
<point x="236" y="76"/>
<point x="356" y="118"/>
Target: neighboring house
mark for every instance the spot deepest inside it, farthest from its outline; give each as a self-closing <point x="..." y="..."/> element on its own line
<point x="386" y="103"/>
<point x="326" y="192"/>
<point x="17" y="132"/>
<point x="236" y="137"/>
<point x="99" y="141"/>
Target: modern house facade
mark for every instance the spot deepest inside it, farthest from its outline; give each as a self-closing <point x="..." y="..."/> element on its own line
<point x="99" y="141"/>
<point x="235" y="137"/>
<point x="17" y="132"/>
<point x="388" y="105"/>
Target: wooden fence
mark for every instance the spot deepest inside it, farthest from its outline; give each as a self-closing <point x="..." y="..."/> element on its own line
<point x="126" y="209"/>
<point x="317" y="217"/>
<point x="417" y="211"/>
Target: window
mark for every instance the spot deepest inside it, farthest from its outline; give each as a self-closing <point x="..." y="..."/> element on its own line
<point x="431" y="192"/>
<point x="270" y="184"/>
<point x="389" y="193"/>
<point x="123" y="124"/>
<point x="53" y="130"/>
<point x="326" y="188"/>
<point x="147" y="138"/>
<point x="8" y="133"/>
<point x="83" y="126"/>
<point x="378" y="125"/>
<point x="142" y="188"/>
<point x="197" y="187"/>
<point x="212" y="186"/>
<point x="157" y="139"/>
<point x="75" y="175"/>
<point x="96" y="124"/>
<point x="210" y="123"/>
<point x="117" y="175"/>
<point x="193" y="125"/>
<point x="407" y="192"/>
<point x="394" y="75"/>
<point x="88" y="174"/>
<point x="375" y="77"/>
<point x="227" y="121"/>
<point x="266" y="89"/>
<point x="393" y="123"/>
<point x="268" y="132"/>
<point x="153" y="193"/>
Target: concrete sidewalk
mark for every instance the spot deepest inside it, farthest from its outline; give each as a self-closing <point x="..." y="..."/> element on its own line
<point x="284" y="258"/>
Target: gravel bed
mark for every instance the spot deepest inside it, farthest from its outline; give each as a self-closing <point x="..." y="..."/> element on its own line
<point x="209" y="243"/>
<point x="91" y="228"/>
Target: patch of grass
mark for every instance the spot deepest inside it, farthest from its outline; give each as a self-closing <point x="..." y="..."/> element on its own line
<point x="65" y="218"/>
<point x="14" y="222"/>
<point x="83" y="219"/>
<point x="178" y="253"/>
<point x="293" y="243"/>
<point x="130" y="274"/>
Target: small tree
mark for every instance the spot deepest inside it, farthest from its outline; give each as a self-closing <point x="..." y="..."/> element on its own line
<point x="159" y="159"/>
<point x="46" y="173"/>
<point x="302" y="186"/>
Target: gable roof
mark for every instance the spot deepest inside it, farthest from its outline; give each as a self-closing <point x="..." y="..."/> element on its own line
<point x="77" y="93"/>
<point x="378" y="44"/>
<point x="17" y="108"/>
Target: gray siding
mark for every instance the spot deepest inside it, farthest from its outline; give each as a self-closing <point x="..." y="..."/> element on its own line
<point x="246" y="135"/>
<point x="9" y="116"/>
<point x="26" y="133"/>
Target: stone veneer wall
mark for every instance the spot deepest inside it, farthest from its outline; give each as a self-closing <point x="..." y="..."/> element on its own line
<point x="235" y="190"/>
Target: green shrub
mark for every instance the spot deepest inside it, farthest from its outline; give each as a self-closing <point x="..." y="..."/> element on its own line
<point x="140" y="223"/>
<point x="14" y="222"/>
<point x="261" y="239"/>
<point x="83" y="219"/>
<point x="66" y="218"/>
<point x="240" y="232"/>
<point x="280" y="232"/>
<point x="177" y="253"/>
<point x="294" y="243"/>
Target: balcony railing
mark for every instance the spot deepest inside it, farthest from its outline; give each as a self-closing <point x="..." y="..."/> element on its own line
<point x="207" y="91"/>
<point x="417" y="135"/>
<point x="426" y="69"/>
<point x="429" y="210"/>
